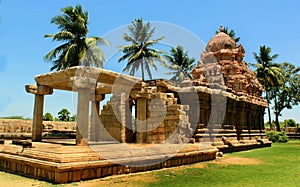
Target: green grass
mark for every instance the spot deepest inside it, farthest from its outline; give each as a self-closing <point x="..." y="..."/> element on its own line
<point x="278" y="165"/>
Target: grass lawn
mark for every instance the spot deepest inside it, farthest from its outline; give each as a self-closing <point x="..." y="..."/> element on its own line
<point x="278" y="165"/>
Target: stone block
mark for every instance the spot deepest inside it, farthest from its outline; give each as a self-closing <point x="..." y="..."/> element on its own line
<point x="161" y="130"/>
<point x="161" y="137"/>
<point x="62" y="177"/>
<point x="116" y="124"/>
<point x="161" y="95"/>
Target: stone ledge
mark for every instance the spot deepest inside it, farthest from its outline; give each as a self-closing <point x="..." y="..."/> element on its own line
<point x="31" y="162"/>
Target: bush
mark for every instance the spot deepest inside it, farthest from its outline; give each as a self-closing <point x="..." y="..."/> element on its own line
<point x="280" y="137"/>
<point x="272" y="136"/>
<point x="290" y="123"/>
<point x="283" y="138"/>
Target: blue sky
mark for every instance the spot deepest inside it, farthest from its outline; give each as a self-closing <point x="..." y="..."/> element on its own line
<point x="24" y="23"/>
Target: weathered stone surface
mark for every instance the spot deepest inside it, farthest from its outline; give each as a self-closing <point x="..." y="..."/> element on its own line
<point x="62" y="164"/>
<point x="40" y="90"/>
<point x="222" y="63"/>
<point x="62" y="79"/>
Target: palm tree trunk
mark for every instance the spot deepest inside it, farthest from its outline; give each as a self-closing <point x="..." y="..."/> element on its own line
<point x="276" y="115"/>
<point x="269" y="111"/>
<point x="143" y="74"/>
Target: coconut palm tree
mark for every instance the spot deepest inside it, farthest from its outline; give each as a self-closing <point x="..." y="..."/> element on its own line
<point x="139" y="53"/>
<point x="267" y="72"/>
<point x="179" y="63"/>
<point x="230" y="32"/>
<point x="77" y="49"/>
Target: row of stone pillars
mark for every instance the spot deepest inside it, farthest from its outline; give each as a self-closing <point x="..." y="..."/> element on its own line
<point x="83" y="117"/>
<point x="85" y="96"/>
<point x="83" y="108"/>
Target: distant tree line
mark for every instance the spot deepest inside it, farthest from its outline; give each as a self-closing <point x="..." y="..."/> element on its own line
<point x="63" y="115"/>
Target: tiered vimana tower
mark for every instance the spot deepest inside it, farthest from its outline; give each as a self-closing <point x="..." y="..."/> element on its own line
<point x="222" y="67"/>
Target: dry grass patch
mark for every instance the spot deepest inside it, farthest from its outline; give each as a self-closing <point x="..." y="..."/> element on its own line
<point x="238" y="161"/>
<point x="128" y="180"/>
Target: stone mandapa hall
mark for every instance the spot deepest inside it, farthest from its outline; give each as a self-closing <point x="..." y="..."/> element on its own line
<point x="145" y="125"/>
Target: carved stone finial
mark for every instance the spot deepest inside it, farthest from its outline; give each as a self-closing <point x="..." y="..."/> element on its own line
<point x="221" y="28"/>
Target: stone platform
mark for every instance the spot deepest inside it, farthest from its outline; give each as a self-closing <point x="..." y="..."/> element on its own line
<point x="62" y="163"/>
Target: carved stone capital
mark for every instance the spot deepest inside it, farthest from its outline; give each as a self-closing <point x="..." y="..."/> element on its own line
<point x="38" y="90"/>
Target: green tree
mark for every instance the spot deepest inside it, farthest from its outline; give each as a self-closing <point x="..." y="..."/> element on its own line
<point x="64" y="115"/>
<point x="73" y="118"/>
<point x="48" y="117"/>
<point x="230" y="32"/>
<point x="267" y="72"/>
<point x="77" y="49"/>
<point x="290" y="123"/>
<point x="179" y="63"/>
<point x="139" y="53"/>
<point x="287" y="94"/>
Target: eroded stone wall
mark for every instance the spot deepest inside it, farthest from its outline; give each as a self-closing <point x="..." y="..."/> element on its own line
<point x="25" y="126"/>
<point x="168" y="124"/>
<point x="166" y="120"/>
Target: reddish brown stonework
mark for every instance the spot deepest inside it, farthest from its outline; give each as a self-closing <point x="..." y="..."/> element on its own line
<point x="222" y="63"/>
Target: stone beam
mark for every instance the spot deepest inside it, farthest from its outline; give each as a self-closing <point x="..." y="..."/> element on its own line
<point x="103" y="89"/>
<point x="38" y="90"/>
<point x="101" y="75"/>
<point x="79" y="83"/>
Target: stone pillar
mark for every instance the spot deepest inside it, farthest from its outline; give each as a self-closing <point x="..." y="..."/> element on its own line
<point x="95" y="120"/>
<point x="141" y="127"/>
<point x="128" y="116"/>
<point x="82" y="117"/>
<point x="94" y="130"/>
<point x="123" y="117"/>
<point x="84" y="85"/>
<point x="37" y="125"/>
<point x="248" y="123"/>
<point x="39" y="92"/>
<point x="260" y="112"/>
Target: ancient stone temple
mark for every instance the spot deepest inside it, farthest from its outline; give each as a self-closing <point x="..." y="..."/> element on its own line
<point x="222" y="67"/>
<point x="146" y="125"/>
<point x="224" y="99"/>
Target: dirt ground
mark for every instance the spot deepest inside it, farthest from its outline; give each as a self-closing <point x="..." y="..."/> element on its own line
<point x="238" y="161"/>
